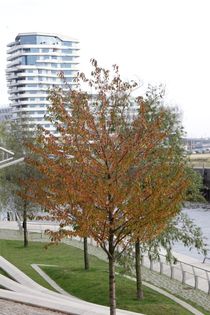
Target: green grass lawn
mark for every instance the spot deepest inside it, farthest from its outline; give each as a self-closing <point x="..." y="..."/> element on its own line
<point x="89" y="285"/>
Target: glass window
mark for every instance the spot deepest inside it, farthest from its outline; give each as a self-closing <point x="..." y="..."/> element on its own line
<point x="31" y="60"/>
<point x="45" y="50"/>
<point x="65" y="65"/>
<point x="26" y="49"/>
<point x="68" y="72"/>
<point x="23" y="60"/>
<point x="34" y="50"/>
<point x="67" y="58"/>
<point x="69" y="79"/>
<point x="67" y="43"/>
<point x="66" y="51"/>
<point x="27" y="39"/>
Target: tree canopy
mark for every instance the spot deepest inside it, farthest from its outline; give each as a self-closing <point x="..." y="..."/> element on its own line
<point x="112" y="170"/>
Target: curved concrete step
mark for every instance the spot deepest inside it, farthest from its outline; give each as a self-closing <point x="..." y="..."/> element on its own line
<point x="29" y="292"/>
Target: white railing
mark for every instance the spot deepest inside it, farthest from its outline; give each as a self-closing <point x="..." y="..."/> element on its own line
<point x="191" y="275"/>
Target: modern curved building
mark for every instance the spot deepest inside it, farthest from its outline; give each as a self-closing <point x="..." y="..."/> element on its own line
<point x="34" y="61"/>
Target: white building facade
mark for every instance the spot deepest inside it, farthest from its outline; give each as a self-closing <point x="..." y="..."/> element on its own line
<point x="34" y="62"/>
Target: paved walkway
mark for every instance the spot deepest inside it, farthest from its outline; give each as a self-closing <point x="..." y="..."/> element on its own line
<point x="176" y="288"/>
<point x="13" y="308"/>
<point x="170" y="296"/>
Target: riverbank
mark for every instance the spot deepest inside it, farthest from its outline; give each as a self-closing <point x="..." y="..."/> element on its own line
<point x="196" y="205"/>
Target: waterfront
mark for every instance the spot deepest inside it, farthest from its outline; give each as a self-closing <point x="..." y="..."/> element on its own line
<point x="201" y="217"/>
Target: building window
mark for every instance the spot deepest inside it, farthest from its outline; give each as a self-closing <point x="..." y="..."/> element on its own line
<point x="68" y="44"/>
<point x="31" y="60"/>
<point x="66" y="58"/>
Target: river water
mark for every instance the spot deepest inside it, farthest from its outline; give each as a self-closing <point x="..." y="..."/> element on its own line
<point x="201" y="217"/>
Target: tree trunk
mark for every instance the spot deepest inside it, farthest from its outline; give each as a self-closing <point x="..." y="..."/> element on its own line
<point x="139" y="289"/>
<point x="25" y="231"/>
<point x="112" y="289"/>
<point x="86" y="258"/>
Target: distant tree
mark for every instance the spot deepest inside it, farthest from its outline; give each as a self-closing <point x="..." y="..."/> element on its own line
<point x="104" y="167"/>
<point x="13" y="137"/>
<point x="194" y="191"/>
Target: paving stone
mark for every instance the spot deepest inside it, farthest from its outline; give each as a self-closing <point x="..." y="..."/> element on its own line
<point x="13" y="308"/>
<point x="177" y="288"/>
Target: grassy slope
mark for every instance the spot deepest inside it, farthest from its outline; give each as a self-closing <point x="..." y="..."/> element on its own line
<point x="92" y="285"/>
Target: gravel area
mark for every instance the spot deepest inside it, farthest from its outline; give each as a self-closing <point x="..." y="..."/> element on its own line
<point x="13" y="308"/>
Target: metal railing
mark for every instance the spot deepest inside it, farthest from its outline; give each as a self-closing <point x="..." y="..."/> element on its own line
<point x="188" y="274"/>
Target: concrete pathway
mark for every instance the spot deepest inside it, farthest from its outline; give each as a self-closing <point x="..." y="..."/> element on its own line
<point x="170" y="296"/>
<point x="176" y="288"/>
<point x="14" y="308"/>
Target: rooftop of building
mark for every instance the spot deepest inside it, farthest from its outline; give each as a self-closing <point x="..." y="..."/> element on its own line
<point x="59" y="36"/>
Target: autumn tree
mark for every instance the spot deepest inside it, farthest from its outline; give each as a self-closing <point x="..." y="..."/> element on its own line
<point x="105" y="166"/>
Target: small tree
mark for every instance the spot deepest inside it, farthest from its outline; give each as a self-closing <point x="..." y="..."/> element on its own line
<point x="172" y="143"/>
<point x="194" y="192"/>
<point x="180" y="229"/>
<point x="13" y="137"/>
<point x="98" y="172"/>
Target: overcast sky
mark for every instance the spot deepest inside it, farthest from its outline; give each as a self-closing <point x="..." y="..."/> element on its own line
<point x="156" y="41"/>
